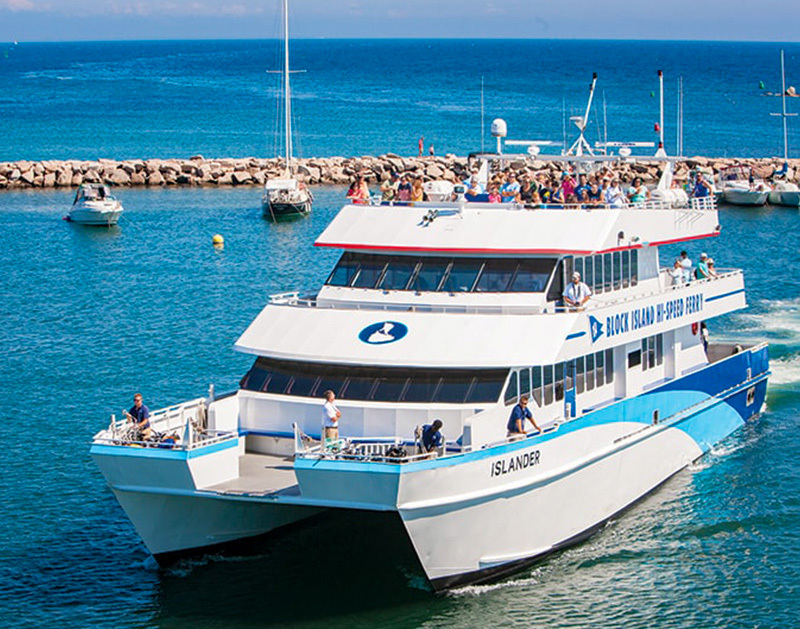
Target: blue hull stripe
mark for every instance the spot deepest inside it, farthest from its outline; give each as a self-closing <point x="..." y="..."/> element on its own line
<point x="575" y="335"/>
<point x="723" y="295"/>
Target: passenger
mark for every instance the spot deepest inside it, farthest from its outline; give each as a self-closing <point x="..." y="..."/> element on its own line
<point x="510" y="189"/>
<point x="701" y="272"/>
<point x="614" y="196"/>
<point x="567" y="184"/>
<point x="472" y="185"/>
<point x="417" y="193"/>
<point x="595" y="195"/>
<point x="516" y="422"/>
<point x="140" y="416"/>
<point x="330" y="417"/>
<point x="359" y="191"/>
<point x="572" y="201"/>
<point x="556" y="194"/>
<point x="687" y="266"/>
<point x="404" y="189"/>
<point x="527" y="190"/>
<point x="704" y="335"/>
<point x="432" y="436"/>
<point x="701" y="187"/>
<point x="712" y="271"/>
<point x="638" y="192"/>
<point x="677" y="274"/>
<point x="583" y="186"/>
<point x="389" y="188"/>
<point x="494" y="194"/>
<point x="577" y="293"/>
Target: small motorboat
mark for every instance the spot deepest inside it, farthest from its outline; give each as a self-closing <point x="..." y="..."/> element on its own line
<point x="785" y="193"/>
<point x="740" y="187"/>
<point x="95" y="205"/>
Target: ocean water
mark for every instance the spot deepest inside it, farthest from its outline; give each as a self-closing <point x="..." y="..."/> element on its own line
<point x="176" y="99"/>
<point x="91" y="315"/>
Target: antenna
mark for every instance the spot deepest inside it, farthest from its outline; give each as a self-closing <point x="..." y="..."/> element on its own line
<point x="605" y="120"/>
<point x="661" y="152"/>
<point x="783" y="114"/>
<point x="482" y="114"/>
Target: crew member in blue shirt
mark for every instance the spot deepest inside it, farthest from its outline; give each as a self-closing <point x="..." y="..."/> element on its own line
<point x="521" y="412"/>
<point x="140" y="416"/>
<point x="431" y="436"/>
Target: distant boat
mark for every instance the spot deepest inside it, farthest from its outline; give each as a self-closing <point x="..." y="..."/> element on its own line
<point x="286" y="197"/>
<point x="95" y="205"/>
<point x="740" y="187"/>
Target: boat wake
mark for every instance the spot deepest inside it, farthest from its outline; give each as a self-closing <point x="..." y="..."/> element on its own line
<point x="785" y="370"/>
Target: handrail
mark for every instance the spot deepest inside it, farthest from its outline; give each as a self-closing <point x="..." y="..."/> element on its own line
<point x="294" y="300"/>
<point x="695" y="203"/>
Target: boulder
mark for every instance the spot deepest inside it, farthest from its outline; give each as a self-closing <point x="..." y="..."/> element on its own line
<point x="184" y="179"/>
<point x="64" y="178"/>
<point x="27" y="176"/>
<point x="226" y="179"/>
<point x="138" y="179"/>
<point x="49" y="180"/>
<point x="119" y="178"/>
<point x="241" y="177"/>
<point x="434" y="171"/>
<point x="155" y="179"/>
<point x="77" y="179"/>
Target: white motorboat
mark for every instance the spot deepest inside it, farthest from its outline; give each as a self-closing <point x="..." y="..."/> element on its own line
<point x="95" y="205"/>
<point x="740" y="186"/>
<point x="286" y="197"/>
<point x="452" y="311"/>
<point x="785" y="193"/>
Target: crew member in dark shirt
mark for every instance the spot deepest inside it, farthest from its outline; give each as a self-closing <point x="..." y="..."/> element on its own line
<point x="521" y="412"/>
<point x="140" y="416"/>
<point x="431" y="436"/>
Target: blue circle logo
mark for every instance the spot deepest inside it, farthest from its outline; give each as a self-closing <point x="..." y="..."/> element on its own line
<point x="383" y="332"/>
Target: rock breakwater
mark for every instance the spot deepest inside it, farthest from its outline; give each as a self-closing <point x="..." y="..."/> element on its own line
<point x="251" y="171"/>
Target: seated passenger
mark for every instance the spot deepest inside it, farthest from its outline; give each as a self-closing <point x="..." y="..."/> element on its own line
<point x="140" y="416"/>
<point x="432" y="436"/>
<point x="516" y="422"/>
<point x="404" y="189"/>
<point x="494" y="195"/>
<point x="473" y="186"/>
<point x="577" y="293"/>
<point x="510" y="189"/>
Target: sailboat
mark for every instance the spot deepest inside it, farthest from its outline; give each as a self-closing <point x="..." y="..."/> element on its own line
<point x="785" y="192"/>
<point x="286" y="197"/>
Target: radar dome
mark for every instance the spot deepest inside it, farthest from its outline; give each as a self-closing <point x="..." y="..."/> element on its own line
<point x="499" y="128"/>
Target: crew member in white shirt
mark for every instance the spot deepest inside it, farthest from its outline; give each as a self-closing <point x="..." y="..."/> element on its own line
<point x="577" y="293"/>
<point x="330" y="417"/>
<point x="687" y="266"/>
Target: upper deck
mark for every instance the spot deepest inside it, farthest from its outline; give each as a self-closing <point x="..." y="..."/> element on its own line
<point x="513" y="230"/>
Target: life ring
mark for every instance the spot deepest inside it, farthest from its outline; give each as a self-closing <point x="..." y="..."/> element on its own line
<point x="695" y="328"/>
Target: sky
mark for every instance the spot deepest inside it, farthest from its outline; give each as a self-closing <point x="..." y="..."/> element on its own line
<point x="80" y="20"/>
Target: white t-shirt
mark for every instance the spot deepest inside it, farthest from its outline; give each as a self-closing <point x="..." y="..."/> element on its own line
<point x="576" y="293"/>
<point x="329" y="412"/>
<point x="686" y="265"/>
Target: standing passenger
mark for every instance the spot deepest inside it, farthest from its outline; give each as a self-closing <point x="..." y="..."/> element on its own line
<point x="686" y="265"/>
<point x="330" y="417"/>
<point x="577" y="293"/>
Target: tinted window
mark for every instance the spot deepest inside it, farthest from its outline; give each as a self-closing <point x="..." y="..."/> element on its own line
<point x="485" y="389"/>
<point x="634" y="267"/>
<point x="608" y="273"/>
<point x="329" y="384"/>
<point x="389" y="389"/>
<point x="588" y="269"/>
<point x="398" y="273"/>
<point x="496" y="276"/>
<point x="512" y="391"/>
<point x="590" y="372"/>
<point x="524" y="381"/>
<point x="369" y="272"/>
<point x="358" y="388"/>
<point x="303" y="385"/>
<point x="548" y="384"/>
<point x="626" y="268"/>
<point x="421" y="388"/>
<point x="598" y="273"/>
<point x="344" y="272"/>
<point x="462" y="276"/>
<point x="579" y="375"/>
<point x="557" y="285"/>
<point x="255" y="379"/>
<point x="599" y="372"/>
<point x="532" y="276"/>
<point x="559" y="381"/>
<point x="659" y="349"/>
<point x="609" y="366"/>
<point x="634" y="358"/>
<point x="536" y="384"/>
<point x="429" y="275"/>
<point x="617" y="271"/>
<point x="453" y="390"/>
<point x="278" y="382"/>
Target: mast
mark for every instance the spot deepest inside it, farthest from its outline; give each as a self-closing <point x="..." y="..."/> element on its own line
<point x="482" y="114"/>
<point x="783" y="113"/>
<point x="286" y="88"/>
<point x="661" y="152"/>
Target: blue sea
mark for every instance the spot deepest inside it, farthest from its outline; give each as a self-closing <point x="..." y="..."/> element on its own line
<point x="89" y="316"/>
<point x="124" y="100"/>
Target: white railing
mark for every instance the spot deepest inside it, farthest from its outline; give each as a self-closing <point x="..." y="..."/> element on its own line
<point x="180" y="426"/>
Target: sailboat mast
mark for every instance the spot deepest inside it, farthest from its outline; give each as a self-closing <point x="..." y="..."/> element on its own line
<point x="286" y="88"/>
<point x="783" y="97"/>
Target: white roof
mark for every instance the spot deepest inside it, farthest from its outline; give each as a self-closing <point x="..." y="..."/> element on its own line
<point x="281" y="184"/>
<point x="506" y="230"/>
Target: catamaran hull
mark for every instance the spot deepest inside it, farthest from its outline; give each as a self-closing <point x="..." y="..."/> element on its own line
<point x="745" y="197"/>
<point x="789" y="198"/>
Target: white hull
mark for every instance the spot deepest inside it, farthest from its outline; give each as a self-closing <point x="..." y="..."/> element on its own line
<point x="744" y="197"/>
<point x="96" y="213"/>
<point x="788" y="198"/>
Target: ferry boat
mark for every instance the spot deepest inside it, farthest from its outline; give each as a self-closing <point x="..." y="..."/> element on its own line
<point x="95" y="205"/>
<point x="452" y="311"/>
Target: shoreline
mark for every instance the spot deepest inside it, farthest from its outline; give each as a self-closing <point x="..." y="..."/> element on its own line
<point x="250" y="171"/>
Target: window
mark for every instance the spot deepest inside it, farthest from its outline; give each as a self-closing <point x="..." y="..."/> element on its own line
<point x="462" y="276"/>
<point x="496" y="276"/>
<point x="577" y="266"/>
<point x="652" y="351"/>
<point x="525" y="381"/>
<point x="557" y="284"/>
<point x="398" y="273"/>
<point x="617" y="271"/>
<point x="590" y="372"/>
<point x="344" y="271"/>
<point x="598" y="274"/>
<point x="634" y="359"/>
<point x="580" y="365"/>
<point x="430" y="274"/>
<point x="369" y="271"/>
<point x="536" y="384"/>
<point x="512" y="391"/>
<point x="559" y="381"/>
<point x="599" y="371"/>
<point x="659" y="349"/>
<point x="588" y="268"/>
<point x="608" y="273"/>
<point x="626" y="268"/>
<point x="609" y="366"/>
<point x="386" y="384"/>
<point x="548" y="384"/>
<point x="532" y="275"/>
<point x="634" y="267"/>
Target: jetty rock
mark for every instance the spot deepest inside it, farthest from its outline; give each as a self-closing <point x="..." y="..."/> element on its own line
<point x="336" y="170"/>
